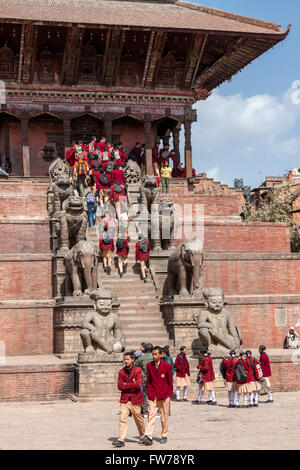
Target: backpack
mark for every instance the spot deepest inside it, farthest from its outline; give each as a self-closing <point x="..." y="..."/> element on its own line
<point x="120" y="243"/>
<point x="90" y="198"/>
<point x="144" y="247"/>
<point x="106" y="238"/>
<point x="82" y="170"/>
<point x="104" y="180"/>
<point x="199" y="377"/>
<point x="222" y="370"/>
<point x="240" y="372"/>
<point x="97" y="165"/>
<point x="257" y="370"/>
<point x="109" y="167"/>
<point x="118" y="189"/>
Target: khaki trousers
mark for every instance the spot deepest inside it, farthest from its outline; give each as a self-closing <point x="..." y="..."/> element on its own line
<point x="107" y="255"/>
<point x="125" y="409"/>
<point x="164" y="408"/>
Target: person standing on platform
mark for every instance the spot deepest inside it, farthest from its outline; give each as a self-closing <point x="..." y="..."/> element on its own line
<point x="250" y="378"/>
<point x="229" y="368"/>
<point x="129" y="383"/>
<point x="183" y="374"/>
<point x="142" y="250"/>
<point x="159" y="391"/>
<point x="166" y="175"/>
<point x="205" y="366"/>
<point x="266" y="369"/>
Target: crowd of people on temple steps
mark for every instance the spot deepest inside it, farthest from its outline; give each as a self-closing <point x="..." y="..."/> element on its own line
<point x="97" y="172"/>
<point x="146" y="385"/>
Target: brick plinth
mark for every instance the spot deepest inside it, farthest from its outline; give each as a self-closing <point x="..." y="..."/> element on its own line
<point x="24" y="236"/>
<point x="30" y="380"/>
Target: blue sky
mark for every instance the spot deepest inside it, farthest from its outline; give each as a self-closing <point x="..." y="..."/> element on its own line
<point x="250" y="127"/>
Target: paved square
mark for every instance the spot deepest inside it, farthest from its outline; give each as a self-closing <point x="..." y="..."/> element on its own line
<point x="93" y="425"/>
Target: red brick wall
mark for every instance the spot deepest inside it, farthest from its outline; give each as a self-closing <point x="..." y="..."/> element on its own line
<point x="25" y="277"/>
<point x="258" y="325"/>
<point x="285" y="376"/>
<point x="253" y="276"/>
<point x="23" y="197"/>
<point x="213" y="205"/>
<point x="26" y="331"/>
<point x="36" y="382"/>
<point x="24" y="237"/>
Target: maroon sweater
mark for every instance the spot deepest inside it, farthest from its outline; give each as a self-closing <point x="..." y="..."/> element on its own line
<point x="182" y="366"/>
<point x="207" y="370"/>
<point x="159" y="382"/>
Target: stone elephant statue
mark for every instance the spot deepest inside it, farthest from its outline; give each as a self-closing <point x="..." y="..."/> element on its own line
<point x="185" y="269"/>
<point x="81" y="265"/>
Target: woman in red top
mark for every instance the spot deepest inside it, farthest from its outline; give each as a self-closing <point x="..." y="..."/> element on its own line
<point x="255" y="382"/>
<point x="117" y="192"/>
<point x="106" y="245"/>
<point x="243" y="387"/>
<point x="229" y="368"/>
<point x="208" y="376"/>
<point x="266" y="369"/>
<point x="183" y="374"/>
<point x="142" y="250"/>
<point x="122" y="252"/>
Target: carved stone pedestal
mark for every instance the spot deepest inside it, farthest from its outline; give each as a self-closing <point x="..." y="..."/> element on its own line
<point x="96" y="375"/>
<point x="68" y="315"/>
<point x="178" y="314"/>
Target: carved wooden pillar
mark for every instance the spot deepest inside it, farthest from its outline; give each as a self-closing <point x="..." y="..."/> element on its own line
<point x="108" y="127"/>
<point x="67" y="134"/>
<point x="188" y="148"/>
<point x="72" y="56"/>
<point x="25" y="147"/>
<point x="148" y="143"/>
<point x="176" y="142"/>
<point x="30" y="39"/>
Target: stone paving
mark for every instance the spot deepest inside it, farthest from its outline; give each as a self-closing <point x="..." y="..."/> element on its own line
<point x="93" y="425"/>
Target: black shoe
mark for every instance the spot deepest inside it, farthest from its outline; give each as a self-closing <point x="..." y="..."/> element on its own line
<point x="256" y="405"/>
<point x="237" y="406"/>
<point x="145" y="280"/>
<point x="163" y="440"/>
<point x="231" y="406"/>
<point x="105" y="270"/>
<point x="196" y="402"/>
<point x="178" y="399"/>
<point x="185" y="399"/>
<point x="213" y="403"/>
<point x="250" y="406"/>
<point x="269" y="401"/>
<point x="147" y="441"/>
<point x="119" y="444"/>
<point x="246" y="406"/>
<point x="121" y="274"/>
<point x="209" y="402"/>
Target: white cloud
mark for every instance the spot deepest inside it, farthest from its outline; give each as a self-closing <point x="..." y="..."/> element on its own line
<point x="240" y="137"/>
<point x="214" y="173"/>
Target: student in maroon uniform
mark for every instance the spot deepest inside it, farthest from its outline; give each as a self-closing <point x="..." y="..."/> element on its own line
<point x="159" y="390"/>
<point x="243" y="387"/>
<point x="130" y="383"/>
<point x="208" y="376"/>
<point x="101" y="145"/>
<point x="266" y="369"/>
<point x="250" y="378"/>
<point x="117" y="192"/>
<point x="122" y="251"/>
<point x="255" y="383"/>
<point x="183" y="374"/>
<point x="229" y="367"/>
<point x="118" y="175"/>
<point x="123" y="155"/>
<point x="102" y="185"/>
<point x="142" y="250"/>
<point x="106" y="246"/>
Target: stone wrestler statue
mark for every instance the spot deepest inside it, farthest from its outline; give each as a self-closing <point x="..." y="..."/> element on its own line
<point x="216" y="326"/>
<point x="101" y="329"/>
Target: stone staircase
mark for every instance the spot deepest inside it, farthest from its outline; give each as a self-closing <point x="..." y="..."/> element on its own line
<point x="139" y="310"/>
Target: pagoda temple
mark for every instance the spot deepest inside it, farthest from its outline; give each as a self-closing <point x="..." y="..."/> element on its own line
<point x="129" y="70"/>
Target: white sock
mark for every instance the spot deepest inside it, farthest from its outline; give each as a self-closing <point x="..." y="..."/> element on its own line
<point x="212" y="395"/>
<point x="251" y="398"/>
<point x="184" y="392"/>
<point x="177" y="393"/>
<point x="200" y="393"/>
<point x="232" y="397"/>
<point x="237" y="399"/>
<point x="245" y="399"/>
<point x="270" y="395"/>
<point x="256" y="398"/>
<point x="229" y="398"/>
